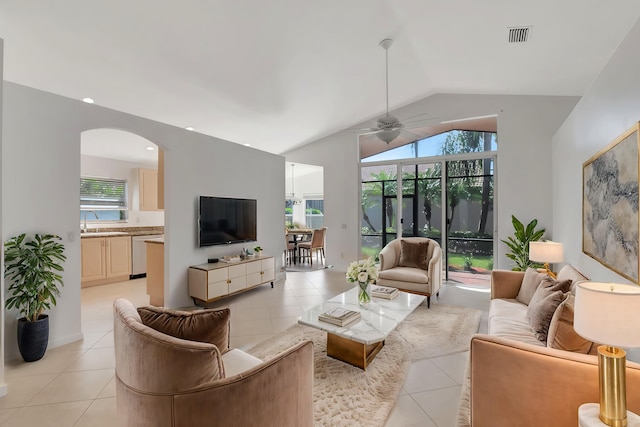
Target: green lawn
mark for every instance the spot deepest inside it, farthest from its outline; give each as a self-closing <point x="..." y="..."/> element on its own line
<point x="480" y="261"/>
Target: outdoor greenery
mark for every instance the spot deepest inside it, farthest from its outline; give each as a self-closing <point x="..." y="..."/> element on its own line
<point x="460" y="261"/>
<point x="33" y="267"/>
<point x="466" y="180"/>
<point x="519" y="243"/>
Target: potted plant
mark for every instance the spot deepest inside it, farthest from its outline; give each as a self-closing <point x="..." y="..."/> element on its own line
<point x="33" y="268"/>
<point x="519" y="243"/>
<point x="257" y="250"/>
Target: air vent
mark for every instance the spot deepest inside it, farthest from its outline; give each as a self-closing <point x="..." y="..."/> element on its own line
<point x="519" y="34"/>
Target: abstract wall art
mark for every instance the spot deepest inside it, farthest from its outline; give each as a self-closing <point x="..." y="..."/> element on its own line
<point x="610" y="205"/>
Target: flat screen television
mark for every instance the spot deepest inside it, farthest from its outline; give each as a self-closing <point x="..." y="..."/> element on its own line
<point x="223" y="221"/>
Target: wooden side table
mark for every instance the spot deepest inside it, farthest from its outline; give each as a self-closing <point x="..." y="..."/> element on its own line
<point x="589" y="416"/>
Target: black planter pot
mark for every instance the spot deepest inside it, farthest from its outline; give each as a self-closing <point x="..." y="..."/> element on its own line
<point x="33" y="338"/>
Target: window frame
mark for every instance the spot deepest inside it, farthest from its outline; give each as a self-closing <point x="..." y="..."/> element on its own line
<point x="119" y="204"/>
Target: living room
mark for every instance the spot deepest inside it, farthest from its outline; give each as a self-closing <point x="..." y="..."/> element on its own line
<point x="544" y="141"/>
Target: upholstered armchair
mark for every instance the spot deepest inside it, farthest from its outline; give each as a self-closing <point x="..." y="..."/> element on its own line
<point x="166" y="380"/>
<point x="412" y="264"/>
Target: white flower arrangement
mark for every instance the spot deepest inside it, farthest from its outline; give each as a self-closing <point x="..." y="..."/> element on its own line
<point x="363" y="271"/>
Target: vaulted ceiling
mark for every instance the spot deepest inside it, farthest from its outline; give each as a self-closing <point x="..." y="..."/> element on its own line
<point x="281" y="73"/>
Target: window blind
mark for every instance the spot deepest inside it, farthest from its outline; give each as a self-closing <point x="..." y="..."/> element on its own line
<point x="103" y="194"/>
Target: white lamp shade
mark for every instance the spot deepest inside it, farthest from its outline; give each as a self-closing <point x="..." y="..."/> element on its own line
<point x="545" y="251"/>
<point x="608" y="313"/>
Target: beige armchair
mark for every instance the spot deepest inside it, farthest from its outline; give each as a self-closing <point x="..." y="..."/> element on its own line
<point x="412" y="264"/>
<point x="162" y="380"/>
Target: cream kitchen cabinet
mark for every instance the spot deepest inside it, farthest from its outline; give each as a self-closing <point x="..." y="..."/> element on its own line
<point x="209" y="282"/>
<point x="148" y="185"/>
<point x="105" y="259"/>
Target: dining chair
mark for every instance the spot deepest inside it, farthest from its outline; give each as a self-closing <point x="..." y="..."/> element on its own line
<point x="290" y="249"/>
<point x="316" y="244"/>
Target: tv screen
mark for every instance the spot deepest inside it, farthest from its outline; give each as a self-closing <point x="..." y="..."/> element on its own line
<point x="223" y="221"/>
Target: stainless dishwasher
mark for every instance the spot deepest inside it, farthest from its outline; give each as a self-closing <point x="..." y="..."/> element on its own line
<point x="139" y="255"/>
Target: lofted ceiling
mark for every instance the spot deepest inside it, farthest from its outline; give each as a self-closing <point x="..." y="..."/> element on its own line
<point x="281" y="73"/>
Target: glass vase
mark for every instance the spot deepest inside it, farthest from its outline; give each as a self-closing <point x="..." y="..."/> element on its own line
<point x="364" y="292"/>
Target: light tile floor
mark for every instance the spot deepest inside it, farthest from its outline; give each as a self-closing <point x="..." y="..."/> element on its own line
<point x="74" y="385"/>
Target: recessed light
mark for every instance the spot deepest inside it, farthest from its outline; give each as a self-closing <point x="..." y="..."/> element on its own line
<point x="150" y="148"/>
<point x="88" y="100"/>
<point x="189" y="128"/>
<point x="247" y="145"/>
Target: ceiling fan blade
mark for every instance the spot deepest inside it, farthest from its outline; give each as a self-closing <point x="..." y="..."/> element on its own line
<point x="370" y="131"/>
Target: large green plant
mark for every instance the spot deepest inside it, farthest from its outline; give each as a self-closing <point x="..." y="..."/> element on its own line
<point x="33" y="266"/>
<point x="519" y="243"/>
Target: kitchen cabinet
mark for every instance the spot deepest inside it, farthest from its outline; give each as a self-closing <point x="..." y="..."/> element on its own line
<point x="209" y="282"/>
<point x="105" y="260"/>
<point x="148" y="186"/>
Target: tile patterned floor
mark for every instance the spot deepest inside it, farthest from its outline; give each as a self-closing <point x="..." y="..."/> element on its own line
<point x="74" y="385"/>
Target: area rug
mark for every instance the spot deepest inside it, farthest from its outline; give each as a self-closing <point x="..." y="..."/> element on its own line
<point x="348" y="396"/>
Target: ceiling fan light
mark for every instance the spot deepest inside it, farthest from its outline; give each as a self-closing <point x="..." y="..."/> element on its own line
<point x="389" y="135"/>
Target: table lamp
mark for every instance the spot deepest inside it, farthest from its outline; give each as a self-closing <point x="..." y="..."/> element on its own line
<point x="547" y="252"/>
<point x="609" y="313"/>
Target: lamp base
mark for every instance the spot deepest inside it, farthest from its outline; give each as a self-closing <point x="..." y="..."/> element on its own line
<point x="613" y="385"/>
<point x="588" y="416"/>
<point x="549" y="272"/>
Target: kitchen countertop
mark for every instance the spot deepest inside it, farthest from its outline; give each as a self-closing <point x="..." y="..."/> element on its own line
<point x="122" y="231"/>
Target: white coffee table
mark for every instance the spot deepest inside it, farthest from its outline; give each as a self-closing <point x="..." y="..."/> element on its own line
<point x="359" y="342"/>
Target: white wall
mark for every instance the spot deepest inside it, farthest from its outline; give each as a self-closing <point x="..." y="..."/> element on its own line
<point x="3" y="384"/>
<point x="41" y="150"/>
<point x="610" y="106"/>
<point x="119" y="169"/>
<point x="526" y="125"/>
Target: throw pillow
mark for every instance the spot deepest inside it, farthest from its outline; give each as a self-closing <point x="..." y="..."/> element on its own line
<point x="561" y="333"/>
<point x="209" y="326"/>
<point x="414" y="254"/>
<point x="543" y="305"/>
<point x="530" y="282"/>
<point x="556" y="285"/>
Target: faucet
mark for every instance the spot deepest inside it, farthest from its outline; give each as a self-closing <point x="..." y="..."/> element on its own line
<point x="84" y="229"/>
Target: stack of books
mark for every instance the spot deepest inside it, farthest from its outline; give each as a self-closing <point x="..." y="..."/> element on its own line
<point x="383" y="292"/>
<point x="339" y="316"/>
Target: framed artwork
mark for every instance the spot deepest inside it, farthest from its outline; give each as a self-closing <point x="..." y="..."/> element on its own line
<point x="610" y="205"/>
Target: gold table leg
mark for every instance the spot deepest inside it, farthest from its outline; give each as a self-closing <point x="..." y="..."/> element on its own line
<point x="351" y="352"/>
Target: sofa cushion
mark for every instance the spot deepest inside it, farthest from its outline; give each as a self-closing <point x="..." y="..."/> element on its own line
<point x="237" y="361"/>
<point x="414" y="254"/>
<point x="530" y="283"/>
<point x="561" y="333"/>
<point x="210" y="326"/>
<point x="569" y="273"/>
<point x="508" y="319"/>
<point x="541" y="309"/>
<point x="405" y="274"/>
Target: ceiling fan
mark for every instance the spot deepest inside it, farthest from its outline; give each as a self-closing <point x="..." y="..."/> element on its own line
<point x="388" y="127"/>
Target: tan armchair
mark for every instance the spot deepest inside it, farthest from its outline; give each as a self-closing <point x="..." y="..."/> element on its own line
<point x="162" y="380"/>
<point x="419" y="272"/>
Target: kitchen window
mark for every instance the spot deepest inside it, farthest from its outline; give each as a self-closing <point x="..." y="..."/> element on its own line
<point x="105" y="197"/>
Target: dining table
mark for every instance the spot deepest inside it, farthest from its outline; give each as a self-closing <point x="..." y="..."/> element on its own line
<point x="299" y="235"/>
